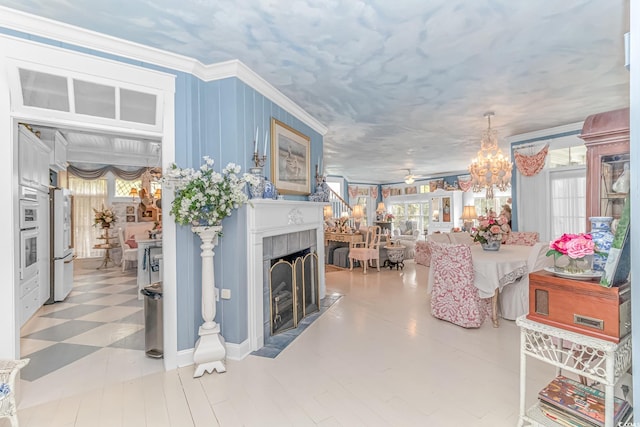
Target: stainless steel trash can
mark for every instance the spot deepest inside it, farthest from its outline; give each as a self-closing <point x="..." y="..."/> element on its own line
<point x="153" y="331"/>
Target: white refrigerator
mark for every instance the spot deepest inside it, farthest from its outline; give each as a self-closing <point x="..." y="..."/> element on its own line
<point x="61" y="244"/>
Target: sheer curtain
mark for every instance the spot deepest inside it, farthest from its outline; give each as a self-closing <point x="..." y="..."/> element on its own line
<point x="86" y="196"/>
<point x="553" y="202"/>
<point x="568" y="201"/>
<point x="533" y="204"/>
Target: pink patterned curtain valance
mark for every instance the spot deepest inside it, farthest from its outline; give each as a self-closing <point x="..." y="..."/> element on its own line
<point x="374" y="191"/>
<point x="533" y="164"/>
<point x="464" y="183"/>
<point x="386" y="191"/>
<point x="353" y="191"/>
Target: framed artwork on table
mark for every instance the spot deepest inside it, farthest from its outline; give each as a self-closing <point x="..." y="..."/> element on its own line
<point x="131" y="218"/>
<point x="131" y="210"/>
<point x="290" y="163"/>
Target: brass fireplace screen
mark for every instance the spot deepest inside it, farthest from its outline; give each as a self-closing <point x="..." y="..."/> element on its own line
<point x="293" y="291"/>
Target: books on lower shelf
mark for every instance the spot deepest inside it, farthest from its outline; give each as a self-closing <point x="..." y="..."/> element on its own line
<point x="572" y="404"/>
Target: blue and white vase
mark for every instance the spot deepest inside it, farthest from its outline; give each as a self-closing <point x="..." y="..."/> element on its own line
<point x="270" y="191"/>
<point x="602" y="237"/>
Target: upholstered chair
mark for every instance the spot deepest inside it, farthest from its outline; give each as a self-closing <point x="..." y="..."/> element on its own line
<point x="423" y="249"/>
<point x="454" y="298"/>
<point x="128" y="253"/>
<point x="514" y="298"/>
<point x="527" y="238"/>
<point x="367" y="251"/>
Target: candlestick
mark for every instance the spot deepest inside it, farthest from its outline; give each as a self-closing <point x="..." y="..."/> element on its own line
<point x="265" y="142"/>
<point x="255" y="142"/>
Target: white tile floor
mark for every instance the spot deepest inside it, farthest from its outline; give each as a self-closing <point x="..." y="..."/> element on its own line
<point x="376" y="358"/>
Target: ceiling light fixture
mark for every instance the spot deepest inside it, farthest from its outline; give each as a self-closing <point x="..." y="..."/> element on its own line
<point x="490" y="167"/>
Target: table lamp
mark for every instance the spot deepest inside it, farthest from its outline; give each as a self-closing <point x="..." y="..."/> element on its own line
<point x="133" y="193"/>
<point x="468" y="216"/>
<point x="380" y="211"/>
<point x="327" y="212"/>
<point x="358" y="214"/>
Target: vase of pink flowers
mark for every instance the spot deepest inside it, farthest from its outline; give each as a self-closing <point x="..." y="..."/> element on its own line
<point x="573" y="253"/>
<point x="489" y="232"/>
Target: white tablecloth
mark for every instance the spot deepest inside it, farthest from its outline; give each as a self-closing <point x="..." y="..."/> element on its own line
<point x="494" y="270"/>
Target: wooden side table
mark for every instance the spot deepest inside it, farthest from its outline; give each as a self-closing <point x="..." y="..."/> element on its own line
<point x="107" y="246"/>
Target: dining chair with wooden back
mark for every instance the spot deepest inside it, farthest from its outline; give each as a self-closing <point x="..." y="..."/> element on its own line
<point x="368" y="250"/>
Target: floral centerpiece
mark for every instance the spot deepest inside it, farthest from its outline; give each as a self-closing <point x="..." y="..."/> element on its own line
<point x="388" y="217"/>
<point x="204" y="196"/>
<point x="490" y="230"/>
<point x="104" y="217"/>
<point x="573" y="253"/>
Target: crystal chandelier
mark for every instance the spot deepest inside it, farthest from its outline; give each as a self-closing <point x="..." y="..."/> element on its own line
<point x="490" y="167"/>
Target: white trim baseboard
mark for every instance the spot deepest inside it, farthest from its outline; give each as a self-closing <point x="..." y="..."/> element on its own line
<point x="234" y="352"/>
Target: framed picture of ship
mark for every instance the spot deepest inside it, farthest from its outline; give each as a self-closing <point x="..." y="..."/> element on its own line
<point x="290" y="161"/>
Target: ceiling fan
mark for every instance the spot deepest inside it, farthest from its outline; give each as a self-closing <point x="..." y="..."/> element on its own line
<point x="411" y="178"/>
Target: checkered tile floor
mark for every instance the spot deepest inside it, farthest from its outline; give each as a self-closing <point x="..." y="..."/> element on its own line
<point x="101" y="312"/>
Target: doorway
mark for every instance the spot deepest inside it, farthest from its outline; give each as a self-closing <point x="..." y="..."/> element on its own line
<point x="16" y="53"/>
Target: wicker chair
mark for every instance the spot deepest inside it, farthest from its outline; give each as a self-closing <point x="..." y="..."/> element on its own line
<point x="8" y="371"/>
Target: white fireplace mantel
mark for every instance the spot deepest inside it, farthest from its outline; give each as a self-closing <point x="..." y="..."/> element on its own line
<point x="268" y="218"/>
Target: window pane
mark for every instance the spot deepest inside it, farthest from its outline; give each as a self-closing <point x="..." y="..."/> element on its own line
<point x="123" y="187"/>
<point x="44" y="90"/>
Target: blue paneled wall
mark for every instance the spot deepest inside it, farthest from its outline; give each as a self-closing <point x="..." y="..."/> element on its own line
<point x="219" y="119"/>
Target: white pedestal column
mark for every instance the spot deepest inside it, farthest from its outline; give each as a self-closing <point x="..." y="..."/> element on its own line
<point x="210" y="352"/>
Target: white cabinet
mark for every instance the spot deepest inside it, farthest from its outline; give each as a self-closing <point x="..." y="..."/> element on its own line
<point x="446" y="210"/>
<point x="33" y="157"/>
<point x="58" y="156"/>
<point x="29" y="298"/>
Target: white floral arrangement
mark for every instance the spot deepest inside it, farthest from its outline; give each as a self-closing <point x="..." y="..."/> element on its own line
<point x="104" y="217"/>
<point x="204" y="196"/>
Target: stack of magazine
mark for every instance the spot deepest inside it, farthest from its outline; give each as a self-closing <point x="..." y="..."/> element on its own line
<point x="572" y="404"/>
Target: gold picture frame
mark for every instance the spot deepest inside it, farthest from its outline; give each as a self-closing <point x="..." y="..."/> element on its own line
<point x="290" y="162"/>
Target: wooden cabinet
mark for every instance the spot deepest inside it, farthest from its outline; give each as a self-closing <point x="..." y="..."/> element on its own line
<point x="606" y="136"/>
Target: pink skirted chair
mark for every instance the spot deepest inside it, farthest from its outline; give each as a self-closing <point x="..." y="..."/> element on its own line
<point x="423" y="254"/>
<point x="526" y="238"/>
<point x="368" y="250"/>
<point x="425" y="250"/>
<point x="453" y="296"/>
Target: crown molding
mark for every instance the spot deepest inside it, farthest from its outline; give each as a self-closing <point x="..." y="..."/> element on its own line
<point x="58" y="31"/>
<point x="545" y="133"/>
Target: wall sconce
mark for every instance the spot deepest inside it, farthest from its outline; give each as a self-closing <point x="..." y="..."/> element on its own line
<point x="133" y="193"/>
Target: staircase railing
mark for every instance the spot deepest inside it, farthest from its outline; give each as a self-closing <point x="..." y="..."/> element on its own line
<point x="338" y="204"/>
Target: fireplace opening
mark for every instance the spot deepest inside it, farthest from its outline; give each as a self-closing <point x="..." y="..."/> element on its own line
<point x="293" y="289"/>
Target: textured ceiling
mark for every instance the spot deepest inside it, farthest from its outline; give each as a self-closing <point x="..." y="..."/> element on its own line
<point x="399" y="84"/>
